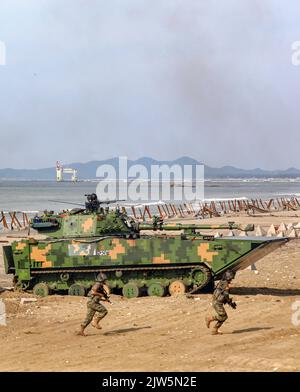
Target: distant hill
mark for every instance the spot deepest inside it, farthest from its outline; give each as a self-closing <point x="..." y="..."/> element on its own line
<point x="88" y="170"/>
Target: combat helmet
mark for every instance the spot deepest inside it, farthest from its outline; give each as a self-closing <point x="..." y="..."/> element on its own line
<point x="101" y="277"/>
<point x="228" y="275"/>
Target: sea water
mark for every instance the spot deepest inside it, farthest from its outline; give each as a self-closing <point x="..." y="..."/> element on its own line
<point x="41" y="195"/>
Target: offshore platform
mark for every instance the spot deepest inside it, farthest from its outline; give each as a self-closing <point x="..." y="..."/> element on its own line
<point x="60" y="171"/>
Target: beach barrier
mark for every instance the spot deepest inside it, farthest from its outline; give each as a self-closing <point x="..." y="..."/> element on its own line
<point x="15" y="220"/>
<point x="212" y="208"/>
<point x="293" y="234"/>
<point x="201" y="210"/>
<point x="290" y="230"/>
<point x="259" y="232"/>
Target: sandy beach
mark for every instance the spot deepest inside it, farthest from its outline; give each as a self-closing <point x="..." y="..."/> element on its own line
<point x="162" y="113"/>
<point x="166" y="334"/>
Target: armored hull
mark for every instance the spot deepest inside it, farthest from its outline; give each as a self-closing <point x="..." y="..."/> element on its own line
<point x="155" y="264"/>
<point x="80" y="243"/>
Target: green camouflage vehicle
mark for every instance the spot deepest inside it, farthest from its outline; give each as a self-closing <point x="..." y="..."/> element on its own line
<point x="137" y="257"/>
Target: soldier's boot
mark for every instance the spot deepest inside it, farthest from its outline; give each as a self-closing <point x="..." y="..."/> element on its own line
<point x="216" y="331"/>
<point x="209" y="319"/>
<point x="95" y="323"/>
<point x="216" y="328"/>
<point x="81" y="331"/>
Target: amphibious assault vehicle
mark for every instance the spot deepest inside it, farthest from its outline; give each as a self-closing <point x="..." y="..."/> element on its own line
<point x="154" y="258"/>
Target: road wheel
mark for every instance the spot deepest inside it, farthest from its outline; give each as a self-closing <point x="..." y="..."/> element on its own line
<point x="201" y="276"/>
<point x="64" y="277"/>
<point x="41" y="290"/>
<point x="130" y="290"/>
<point x="177" y="288"/>
<point x="77" y="289"/>
<point x="156" y="289"/>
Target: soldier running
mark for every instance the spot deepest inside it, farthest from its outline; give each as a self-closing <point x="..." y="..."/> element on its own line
<point x="220" y="298"/>
<point x="94" y="307"/>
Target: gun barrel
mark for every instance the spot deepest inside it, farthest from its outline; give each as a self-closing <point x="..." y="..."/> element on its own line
<point x="110" y="201"/>
<point x="180" y="226"/>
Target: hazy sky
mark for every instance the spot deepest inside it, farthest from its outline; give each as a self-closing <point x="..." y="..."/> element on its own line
<point x="92" y="79"/>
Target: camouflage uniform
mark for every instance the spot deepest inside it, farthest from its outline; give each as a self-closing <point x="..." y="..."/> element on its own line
<point x="220" y="298"/>
<point x="94" y="306"/>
